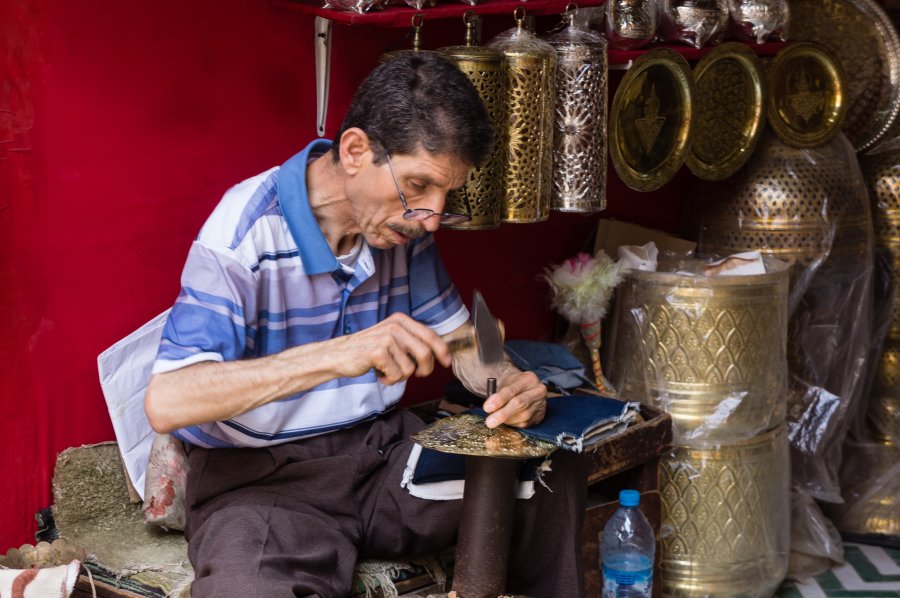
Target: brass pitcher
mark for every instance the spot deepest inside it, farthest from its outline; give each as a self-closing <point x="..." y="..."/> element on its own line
<point x="528" y="134"/>
<point x="482" y="195"/>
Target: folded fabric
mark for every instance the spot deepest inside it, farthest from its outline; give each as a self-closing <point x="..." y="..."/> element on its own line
<point x="554" y="365"/>
<point x="575" y="422"/>
<point x="434" y="475"/>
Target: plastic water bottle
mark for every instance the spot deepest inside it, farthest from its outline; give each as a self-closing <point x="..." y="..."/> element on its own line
<point x="627" y="547"/>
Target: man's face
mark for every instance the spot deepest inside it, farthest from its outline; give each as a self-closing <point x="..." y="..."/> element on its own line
<point x="423" y="177"/>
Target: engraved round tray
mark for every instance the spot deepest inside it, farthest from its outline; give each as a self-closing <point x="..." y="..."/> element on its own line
<point x="650" y="122"/>
<point x="806" y="95"/>
<point x="862" y="37"/>
<point x="730" y="111"/>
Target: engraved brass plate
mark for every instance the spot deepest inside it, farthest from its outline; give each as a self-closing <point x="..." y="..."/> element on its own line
<point x="806" y="95"/>
<point x="650" y="123"/>
<point x="466" y="434"/>
<point x="730" y="111"/>
<point x="863" y="40"/>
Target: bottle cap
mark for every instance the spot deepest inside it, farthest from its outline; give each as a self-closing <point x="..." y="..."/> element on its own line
<point x="629" y="498"/>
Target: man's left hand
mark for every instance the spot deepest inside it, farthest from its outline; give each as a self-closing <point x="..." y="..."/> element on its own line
<point x="520" y="400"/>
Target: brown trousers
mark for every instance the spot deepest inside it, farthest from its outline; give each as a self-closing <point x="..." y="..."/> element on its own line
<point x="292" y="519"/>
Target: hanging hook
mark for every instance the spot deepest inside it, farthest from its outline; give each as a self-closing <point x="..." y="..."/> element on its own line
<point x="418" y="20"/>
<point x="519" y="16"/>
<point x="469" y="20"/>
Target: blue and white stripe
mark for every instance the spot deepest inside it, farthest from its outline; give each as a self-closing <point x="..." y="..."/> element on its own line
<point x="260" y="278"/>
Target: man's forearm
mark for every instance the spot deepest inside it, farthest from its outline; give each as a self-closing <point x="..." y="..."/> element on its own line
<point x="215" y="391"/>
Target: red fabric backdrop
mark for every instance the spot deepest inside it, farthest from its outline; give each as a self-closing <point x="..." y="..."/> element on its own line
<point x="121" y="124"/>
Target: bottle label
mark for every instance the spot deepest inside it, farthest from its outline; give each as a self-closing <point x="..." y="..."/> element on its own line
<point x="619" y="584"/>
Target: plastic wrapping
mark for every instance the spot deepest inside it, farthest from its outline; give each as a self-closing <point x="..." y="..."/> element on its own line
<point x="881" y="169"/>
<point x="528" y="134"/>
<point x="579" y="136"/>
<point x="710" y="351"/>
<point x="808" y="206"/>
<point x="725" y="517"/>
<point x="630" y="24"/>
<point x="417" y="4"/>
<point x="870" y="478"/>
<point x="815" y="542"/>
<point x="759" y="20"/>
<point x="360" y="6"/>
<point x="695" y="22"/>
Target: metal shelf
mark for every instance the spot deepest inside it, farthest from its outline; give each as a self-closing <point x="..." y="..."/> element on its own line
<point x="400" y="16"/>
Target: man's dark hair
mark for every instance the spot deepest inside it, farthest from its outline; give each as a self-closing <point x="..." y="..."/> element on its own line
<point x="420" y="99"/>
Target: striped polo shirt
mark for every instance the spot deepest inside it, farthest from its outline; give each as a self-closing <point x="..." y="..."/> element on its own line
<point x="261" y="278"/>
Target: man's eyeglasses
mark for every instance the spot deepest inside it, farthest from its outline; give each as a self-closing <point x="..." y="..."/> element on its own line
<point x="420" y="214"/>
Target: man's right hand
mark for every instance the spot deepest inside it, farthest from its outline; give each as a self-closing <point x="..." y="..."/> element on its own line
<point x="397" y="348"/>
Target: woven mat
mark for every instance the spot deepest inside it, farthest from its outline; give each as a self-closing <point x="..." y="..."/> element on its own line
<point x="91" y="508"/>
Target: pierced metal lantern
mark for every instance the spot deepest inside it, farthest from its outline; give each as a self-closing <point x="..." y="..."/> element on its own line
<point x="482" y="195"/>
<point x="579" y="137"/>
<point x="530" y="94"/>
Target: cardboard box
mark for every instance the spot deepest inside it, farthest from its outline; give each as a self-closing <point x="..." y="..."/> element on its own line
<point x="613" y="233"/>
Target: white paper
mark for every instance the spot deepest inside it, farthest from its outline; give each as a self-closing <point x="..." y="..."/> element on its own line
<point x="125" y="370"/>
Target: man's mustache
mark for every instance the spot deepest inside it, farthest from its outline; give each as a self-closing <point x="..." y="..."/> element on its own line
<point x="407" y="230"/>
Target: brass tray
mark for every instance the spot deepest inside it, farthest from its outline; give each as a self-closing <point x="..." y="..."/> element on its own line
<point x="730" y="106"/>
<point x="863" y="39"/>
<point x="650" y="121"/>
<point x="807" y="103"/>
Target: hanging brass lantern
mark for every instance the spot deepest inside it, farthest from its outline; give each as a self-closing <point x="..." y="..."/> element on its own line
<point x="482" y="195"/>
<point x="417" y="21"/>
<point x="528" y="134"/>
<point x="579" y="140"/>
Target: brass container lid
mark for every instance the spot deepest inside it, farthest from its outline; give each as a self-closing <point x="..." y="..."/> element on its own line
<point x="466" y="434"/>
<point x="650" y="122"/>
<point x="730" y="103"/>
<point x="860" y="35"/>
<point x="806" y="95"/>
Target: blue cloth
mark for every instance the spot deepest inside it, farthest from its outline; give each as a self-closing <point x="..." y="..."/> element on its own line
<point x="574" y="422"/>
<point x="554" y="365"/>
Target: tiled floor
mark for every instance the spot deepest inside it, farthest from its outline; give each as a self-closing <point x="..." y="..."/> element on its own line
<point x="867" y="572"/>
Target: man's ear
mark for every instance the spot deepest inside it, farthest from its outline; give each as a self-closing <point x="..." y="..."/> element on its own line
<point x="355" y="149"/>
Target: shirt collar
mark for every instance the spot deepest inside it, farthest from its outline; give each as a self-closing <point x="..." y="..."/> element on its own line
<point x="294" y="198"/>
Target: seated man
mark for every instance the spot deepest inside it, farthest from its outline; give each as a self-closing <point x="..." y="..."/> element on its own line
<point x="310" y="295"/>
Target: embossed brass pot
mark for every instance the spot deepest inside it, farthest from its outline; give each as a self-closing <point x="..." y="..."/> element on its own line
<point x="630" y="24"/>
<point x="708" y="351"/>
<point x="579" y="136"/>
<point x="725" y="518"/>
<point x="882" y="173"/>
<point x="884" y="403"/>
<point x="796" y="205"/>
<point x="482" y="195"/>
<point x="528" y="131"/>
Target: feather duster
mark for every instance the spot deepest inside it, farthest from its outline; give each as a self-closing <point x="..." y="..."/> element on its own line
<point x="582" y="288"/>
